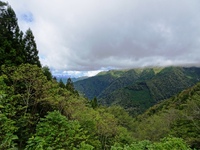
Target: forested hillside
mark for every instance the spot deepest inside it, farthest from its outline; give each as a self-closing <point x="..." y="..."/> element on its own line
<point x="39" y="113"/>
<point x="92" y="86"/>
<point x="178" y="116"/>
<point x="138" y="89"/>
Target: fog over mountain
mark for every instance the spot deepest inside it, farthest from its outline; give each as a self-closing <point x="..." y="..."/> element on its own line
<point x="96" y="35"/>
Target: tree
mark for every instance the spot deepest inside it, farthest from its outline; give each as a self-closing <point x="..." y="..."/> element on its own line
<point x="70" y="87"/>
<point x="11" y="44"/>
<point x="7" y="136"/>
<point x="47" y="72"/>
<point x="29" y="89"/>
<point x="2" y="4"/>
<point x="94" y="103"/>
<point x="31" y="49"/>
<point x="7" y="126"/>
<point x="61" y="84"/>
<point x="167" y="143"/>
<point x="2" y="9"/>
<point x="56" y="132"/>
<point x="106" y="126"/>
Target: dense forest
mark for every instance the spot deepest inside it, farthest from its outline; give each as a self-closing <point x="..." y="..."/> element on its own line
<point x="39" y="113"/>
<point x="136" y="90"/>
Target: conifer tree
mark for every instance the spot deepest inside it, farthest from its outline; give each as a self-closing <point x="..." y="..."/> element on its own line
<point x="61" y="84"/>
<point x="47" y="72"/>
<point x="11" y="46"/>
<point x="2" y="9"/>
<point x="70" y="85"/>
<point x="31" y="49"/>
<point x="2" y="6"/>
<point x="94" y="103"/>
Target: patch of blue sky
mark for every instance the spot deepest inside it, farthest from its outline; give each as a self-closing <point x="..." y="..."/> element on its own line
<point x="27" y="17"/>
<point x="77" y="74"/>
<point x="42" y="56"/>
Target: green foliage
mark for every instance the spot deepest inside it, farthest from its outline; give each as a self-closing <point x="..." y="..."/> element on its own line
<point x="93" y="86"/>
<point x="47" y="72"/>
<point x="31" y="49"/>
<point x="168" y="143"/>
<point x="2" y="4"/>
<point x="136" y="90"/>
<point x="178" y="116"/>
<point x="15" y="49"/>
<point x="84" y="146"/>
<point x="56" y="132"/>
<point x="28" y="96"/>
<point x="11" y="45"/>
<point x="169" y="82"/>
<point x="61" y="84"/>
<point x="7" y="136"/>
<point x="94" y="103"/>
<point x="123" y="118"/>
<point x="38" y="113"/>
<point x="70" y="87"/>
<point x="188" y="126"/>
<point x="21" y="100"/>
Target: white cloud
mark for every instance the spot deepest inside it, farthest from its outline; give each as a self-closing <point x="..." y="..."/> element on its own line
<point x="76" y="74"/>
<point x="88" y="35"/>
<point x="92" y="73"/>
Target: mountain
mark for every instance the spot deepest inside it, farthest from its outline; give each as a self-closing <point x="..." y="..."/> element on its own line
<point x="138" y="89"/>
<point x="178" y="116"/>
<point x="93" y="86"/>
<point x="64" y="78"/>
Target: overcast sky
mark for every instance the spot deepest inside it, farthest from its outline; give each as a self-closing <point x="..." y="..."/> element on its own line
<point x="77" y="36"/>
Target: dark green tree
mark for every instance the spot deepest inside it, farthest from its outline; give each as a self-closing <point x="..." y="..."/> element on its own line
<point x="2" y="38"/>
<point x="2" y="4"/>
<point x="11" y="42"/>
<point x="61" y="84"/>
<point x="47" y="72"/>
<point x="94" y="103"/>
<point x="31" y="49"/>
<point x="70" y="87"/>
<point x="2" y="8"/>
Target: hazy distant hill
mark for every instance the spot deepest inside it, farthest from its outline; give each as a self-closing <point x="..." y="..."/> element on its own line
<point x="64" y="78"/>
<point x="138" y="89"/>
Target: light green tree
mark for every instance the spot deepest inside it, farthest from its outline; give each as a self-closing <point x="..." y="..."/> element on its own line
<point x="55" y="131"/>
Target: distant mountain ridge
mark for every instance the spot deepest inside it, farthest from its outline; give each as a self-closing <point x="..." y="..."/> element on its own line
<point x="64" y="78"/>
<point x="138" y="89"/>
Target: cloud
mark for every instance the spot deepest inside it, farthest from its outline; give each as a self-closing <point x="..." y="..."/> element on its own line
<point x="88" y="35"/>
<point x="77" y="74"/>
<point x="27" y="17"/>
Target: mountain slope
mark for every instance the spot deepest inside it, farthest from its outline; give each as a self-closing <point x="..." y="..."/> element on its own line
<point x="91" y="87"/>
<point x="138" y="89"/>
<point x="178" y="116"/>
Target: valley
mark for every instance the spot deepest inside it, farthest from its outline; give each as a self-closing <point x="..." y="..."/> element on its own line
<point x="138" y="89"/>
